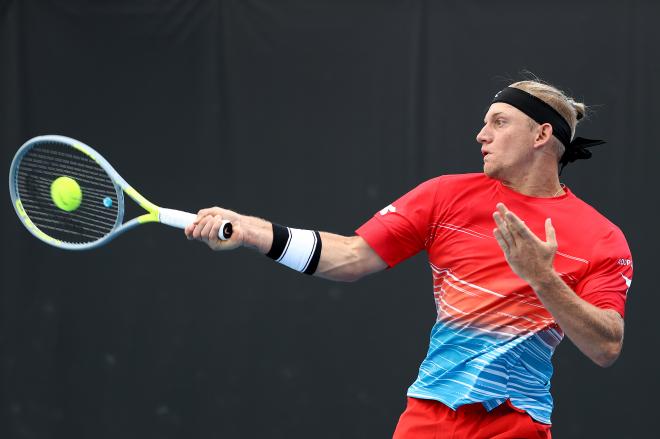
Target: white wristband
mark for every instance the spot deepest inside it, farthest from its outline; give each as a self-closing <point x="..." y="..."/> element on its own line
<point x="296" y="248"/>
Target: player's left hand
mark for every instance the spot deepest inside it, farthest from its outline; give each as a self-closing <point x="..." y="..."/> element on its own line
<point x="528" y="256"/>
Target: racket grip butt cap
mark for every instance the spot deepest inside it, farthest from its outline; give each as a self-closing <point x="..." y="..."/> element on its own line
<point x="226" y="230"/>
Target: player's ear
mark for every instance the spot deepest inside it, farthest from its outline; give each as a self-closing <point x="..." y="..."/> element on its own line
<point x="543" y="134"/>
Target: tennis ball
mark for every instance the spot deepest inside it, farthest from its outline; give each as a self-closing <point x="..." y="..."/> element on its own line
<point x="66" y="193"/>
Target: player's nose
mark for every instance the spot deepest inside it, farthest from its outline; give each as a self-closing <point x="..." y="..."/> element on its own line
<point x="484" y="136"/>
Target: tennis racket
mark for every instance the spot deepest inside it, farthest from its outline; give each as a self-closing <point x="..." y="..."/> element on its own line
<point x="67" y="195"/>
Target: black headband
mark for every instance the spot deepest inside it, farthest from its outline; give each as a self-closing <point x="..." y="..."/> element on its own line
<point x="542" y="113"/>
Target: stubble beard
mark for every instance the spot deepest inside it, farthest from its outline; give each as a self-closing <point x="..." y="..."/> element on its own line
<point x="492" y="171"/>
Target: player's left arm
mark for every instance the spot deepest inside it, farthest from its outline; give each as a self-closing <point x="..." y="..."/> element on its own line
<point x="597" y="332"/>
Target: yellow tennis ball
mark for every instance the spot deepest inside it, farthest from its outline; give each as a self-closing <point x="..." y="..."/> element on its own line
<point x="66" y="193"/>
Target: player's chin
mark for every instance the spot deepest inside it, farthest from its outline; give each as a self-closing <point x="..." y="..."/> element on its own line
<point x="490" y="170"/>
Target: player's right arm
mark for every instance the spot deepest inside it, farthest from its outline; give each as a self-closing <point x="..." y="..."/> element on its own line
<point x="343" y="258"/>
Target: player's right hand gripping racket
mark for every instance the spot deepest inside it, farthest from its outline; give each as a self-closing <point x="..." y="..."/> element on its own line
<point x="69" y="196"/>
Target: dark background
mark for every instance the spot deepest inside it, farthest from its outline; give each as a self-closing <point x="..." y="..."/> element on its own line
<point x="314" y="114"/>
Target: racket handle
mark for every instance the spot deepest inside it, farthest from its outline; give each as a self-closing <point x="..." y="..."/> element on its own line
<point x="181" y="219"/>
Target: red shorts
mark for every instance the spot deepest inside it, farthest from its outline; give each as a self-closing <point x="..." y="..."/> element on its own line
<point x="427" y="419"/>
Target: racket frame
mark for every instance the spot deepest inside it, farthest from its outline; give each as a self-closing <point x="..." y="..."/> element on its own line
<point x="121" y="186"/>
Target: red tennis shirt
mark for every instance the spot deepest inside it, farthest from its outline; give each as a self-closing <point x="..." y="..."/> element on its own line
<point x="493" y="338"/>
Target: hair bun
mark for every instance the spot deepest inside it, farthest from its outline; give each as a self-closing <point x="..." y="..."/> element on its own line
<point x="580" y="109"/>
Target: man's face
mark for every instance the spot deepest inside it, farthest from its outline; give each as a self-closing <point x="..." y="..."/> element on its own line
<point x="507" y="140"/>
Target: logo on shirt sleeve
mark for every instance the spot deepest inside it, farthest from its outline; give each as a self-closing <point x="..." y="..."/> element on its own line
<point x="628" y="280"/>
<point x="387" y="209"/>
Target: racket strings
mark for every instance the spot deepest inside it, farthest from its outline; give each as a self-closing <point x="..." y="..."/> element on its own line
<point x="98" y="212"/>
<point x="40" y="165"/>
<point x="43" y="187"/>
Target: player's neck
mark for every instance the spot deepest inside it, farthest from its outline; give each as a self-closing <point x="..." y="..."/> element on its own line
<point x="541" y="185"/>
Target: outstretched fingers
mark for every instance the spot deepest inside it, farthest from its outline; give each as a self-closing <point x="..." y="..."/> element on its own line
<point x="501" y="241"/>
<point x="550" y="235"/>
<point x="518" y="226"/>
<point x="503" y="230"/>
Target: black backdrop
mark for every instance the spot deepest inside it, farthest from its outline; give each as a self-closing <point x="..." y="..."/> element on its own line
<point x="313" y="114"/>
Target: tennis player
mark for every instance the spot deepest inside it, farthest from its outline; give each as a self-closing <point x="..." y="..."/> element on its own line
<point x="518" y="260"/>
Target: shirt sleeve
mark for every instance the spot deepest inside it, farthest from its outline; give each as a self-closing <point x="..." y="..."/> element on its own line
<point x="400" y="230"/>
<point x="606" y="284"/>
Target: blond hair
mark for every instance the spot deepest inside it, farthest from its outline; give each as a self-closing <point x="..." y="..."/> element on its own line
<point x="565" y="105"/>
